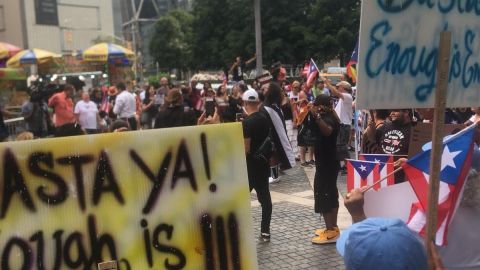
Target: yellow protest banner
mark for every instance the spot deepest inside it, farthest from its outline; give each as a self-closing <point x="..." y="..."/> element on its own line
<point x="156" y="199"/>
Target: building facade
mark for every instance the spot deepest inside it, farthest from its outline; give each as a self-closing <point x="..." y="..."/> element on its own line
<point x="60" y="26"/>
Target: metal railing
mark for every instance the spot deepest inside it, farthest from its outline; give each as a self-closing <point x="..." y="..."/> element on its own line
<point x="15" y="126"/>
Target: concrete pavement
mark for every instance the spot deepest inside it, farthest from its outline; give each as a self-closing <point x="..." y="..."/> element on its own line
<point x="293" y="225"/>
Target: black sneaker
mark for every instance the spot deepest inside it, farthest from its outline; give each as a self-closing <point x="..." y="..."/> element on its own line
<point x="312" y="162"/>
<point x="343" y="171"/>
<point x="264" y="237"/>
<point x="305" y="164"/>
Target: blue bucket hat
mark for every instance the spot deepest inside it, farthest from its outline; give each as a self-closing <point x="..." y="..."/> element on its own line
<point x="380" y="243"/>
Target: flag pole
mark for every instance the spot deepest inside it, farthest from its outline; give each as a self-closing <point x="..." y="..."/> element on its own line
<point x="437" y="142"/>
<point x="381" y="180"/>
<point x="316" y="67"/>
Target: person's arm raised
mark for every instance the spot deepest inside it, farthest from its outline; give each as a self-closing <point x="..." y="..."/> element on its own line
<point x="249" y="61"/>
<point x="333" y="89"/>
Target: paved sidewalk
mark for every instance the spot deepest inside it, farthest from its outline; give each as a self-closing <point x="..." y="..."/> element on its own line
<point x="293" y="224"/>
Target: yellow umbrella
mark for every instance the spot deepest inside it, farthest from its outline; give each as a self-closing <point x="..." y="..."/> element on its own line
<point x="31" y="57"/>
<point x="103" y="52"/>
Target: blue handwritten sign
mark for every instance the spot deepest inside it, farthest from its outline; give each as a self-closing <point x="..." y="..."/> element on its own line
<point x="398" y="56"/>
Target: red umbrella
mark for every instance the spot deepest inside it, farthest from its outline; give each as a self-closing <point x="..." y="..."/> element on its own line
<point x="8" y="50"/>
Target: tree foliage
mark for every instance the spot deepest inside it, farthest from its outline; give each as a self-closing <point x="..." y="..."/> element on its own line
<point x="337" y="25"/>
<point x="107" y="39"/>
<point x="171" y="43"/>
<point x="292" y="32"/>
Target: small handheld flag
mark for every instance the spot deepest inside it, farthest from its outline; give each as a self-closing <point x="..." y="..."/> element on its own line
<point x="361" y="174"/>
<point x="351" y="70"/>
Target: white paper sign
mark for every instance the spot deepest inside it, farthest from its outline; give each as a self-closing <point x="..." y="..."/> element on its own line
<point x="390" y="202"/>
<point x="398" y="53"/>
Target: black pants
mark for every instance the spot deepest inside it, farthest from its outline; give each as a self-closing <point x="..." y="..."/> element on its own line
<point x="258" y="173"/>
<point x="132" y="122"/>
<point x="91" y="131"/>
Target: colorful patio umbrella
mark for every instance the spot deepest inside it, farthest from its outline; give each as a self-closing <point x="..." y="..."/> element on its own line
<point x="104" y="52"/>
<point x="30" y="57"/>
<point x="8" y="50"/>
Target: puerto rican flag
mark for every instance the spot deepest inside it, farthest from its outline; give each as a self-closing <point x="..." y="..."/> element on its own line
<point x="385" y="163"/>
<point x="361" y="174"/>
<point x="351" y="69"/>
<point x="312" y="73"/>
<point x="456" y="162"/>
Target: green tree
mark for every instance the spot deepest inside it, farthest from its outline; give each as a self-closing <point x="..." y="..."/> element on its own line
<point x="336" y="29"/>
<point x="171" y="44"/>
<point x="292" y="32"/>
<point x="107" y="39"/>
<point x="210" y="18"/>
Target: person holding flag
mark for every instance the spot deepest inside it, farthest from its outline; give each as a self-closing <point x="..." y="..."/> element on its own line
<point x="458" y="214"/>
<point x="344" y="110"/>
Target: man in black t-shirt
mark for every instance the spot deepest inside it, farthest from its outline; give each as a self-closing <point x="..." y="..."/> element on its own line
<point x="255" y="131"/>
<point x="395" y="137"/>
<point x="238" y="68"/>
<point x="327" y="166"/>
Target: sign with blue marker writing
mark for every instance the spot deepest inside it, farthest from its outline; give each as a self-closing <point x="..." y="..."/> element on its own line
<point x="399" y="46"/>
<point x="157" y="199"/>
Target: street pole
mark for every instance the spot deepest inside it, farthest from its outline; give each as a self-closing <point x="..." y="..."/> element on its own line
<point x="258" y="37"/>
<point x="134" y="44"/>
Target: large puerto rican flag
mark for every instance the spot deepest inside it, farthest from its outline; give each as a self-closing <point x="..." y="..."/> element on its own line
<point x="456" y="161"/>
<point x="386" y="167"/>
<point x="361" y="174"/>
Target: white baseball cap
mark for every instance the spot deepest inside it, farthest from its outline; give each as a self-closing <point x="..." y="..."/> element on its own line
<point x="250" y="95"/>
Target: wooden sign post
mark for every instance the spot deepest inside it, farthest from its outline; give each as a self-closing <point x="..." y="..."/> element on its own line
<point x="437" y="140"/>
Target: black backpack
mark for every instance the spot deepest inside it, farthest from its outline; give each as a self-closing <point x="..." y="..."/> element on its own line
<point x="266" y="149"/>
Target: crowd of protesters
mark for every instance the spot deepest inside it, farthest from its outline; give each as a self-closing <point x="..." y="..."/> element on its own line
<point x="285" y="123"/>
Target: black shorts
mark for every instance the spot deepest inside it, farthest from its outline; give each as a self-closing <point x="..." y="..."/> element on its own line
<point x="325" y="186"/>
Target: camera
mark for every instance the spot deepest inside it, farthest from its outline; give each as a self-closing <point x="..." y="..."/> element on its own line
<point x="41" y="90"/>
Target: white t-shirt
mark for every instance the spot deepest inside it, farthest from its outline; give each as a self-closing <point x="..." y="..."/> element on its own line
<point x="292" y="95"/>
<point x="125" y="105"/>
<point x="87" y="114"/>
<point x="344" y="109"/>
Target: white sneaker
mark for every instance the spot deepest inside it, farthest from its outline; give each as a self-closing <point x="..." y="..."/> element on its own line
<point x="272" y="180"/>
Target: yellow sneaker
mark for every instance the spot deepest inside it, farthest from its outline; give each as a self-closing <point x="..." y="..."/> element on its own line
<point x="321" y="231"/>
<point x="328" y="236"/>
